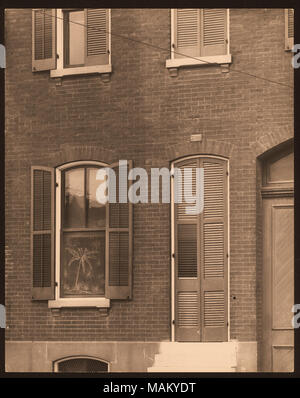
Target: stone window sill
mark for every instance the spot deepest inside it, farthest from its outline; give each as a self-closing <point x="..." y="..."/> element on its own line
<point x="202" y="61"/>
<point x="81" y="70"/>
<point x="98" y="302"/>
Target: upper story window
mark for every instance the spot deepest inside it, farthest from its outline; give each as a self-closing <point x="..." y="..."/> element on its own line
<point x="199" y="36"/>
<point x="81" y="249"/>
<point x="71" y="41"/>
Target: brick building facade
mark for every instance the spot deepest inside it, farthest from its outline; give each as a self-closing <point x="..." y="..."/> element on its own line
<point x="146" y="107"/>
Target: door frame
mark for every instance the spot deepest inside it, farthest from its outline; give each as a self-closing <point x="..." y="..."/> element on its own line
<point x="270" y="190"/>
<point x="173" y="287"/>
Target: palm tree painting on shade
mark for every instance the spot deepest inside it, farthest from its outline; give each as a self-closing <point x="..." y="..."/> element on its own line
<point x="84" y="263"/>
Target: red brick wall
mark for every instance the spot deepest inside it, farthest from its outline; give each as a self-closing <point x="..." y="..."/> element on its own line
<point x="145" y="115"/>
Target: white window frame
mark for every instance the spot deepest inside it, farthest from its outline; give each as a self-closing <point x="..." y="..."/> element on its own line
<point x="60" y="70"/>
<point x="59" y="302"/>
<point x="200" y="61"/>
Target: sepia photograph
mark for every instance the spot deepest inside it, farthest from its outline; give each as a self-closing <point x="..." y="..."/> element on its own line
<point x="149" y="191"/>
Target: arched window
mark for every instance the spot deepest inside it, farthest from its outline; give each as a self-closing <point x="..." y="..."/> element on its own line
<point x="81" y="364"/>
<point x="81" y="248"/>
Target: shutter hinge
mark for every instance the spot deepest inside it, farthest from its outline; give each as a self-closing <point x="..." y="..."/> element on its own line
<point x="57" y="56"/>
<point x="173" y="322"/>
<point x="227" y="255"/>
<point x="227" y="323"/>
<point x="108" y="52"/>
<point x="173" y="45"/>
<point x="55" y="284"/>
<point x="227" y="173"/>
<point x="56" y="184"/>
<point x="173" y="255"/>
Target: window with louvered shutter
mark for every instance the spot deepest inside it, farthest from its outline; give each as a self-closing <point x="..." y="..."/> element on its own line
<point x="119" y="243"/>
<point x="289" y="28"/>
<point x="200" y="32"/>
<point x="42" y="233"/>
<point x="201" y="254"/>
<point x="43" y="39"/>
<point x="97" y="36"/>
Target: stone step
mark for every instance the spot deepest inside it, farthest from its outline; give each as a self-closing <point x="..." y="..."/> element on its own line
<point x="195" y="357"/>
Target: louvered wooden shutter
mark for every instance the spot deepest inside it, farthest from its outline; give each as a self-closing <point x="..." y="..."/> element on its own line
<point x="119" y="245"/>
<point x="42" y="233"/>
<point x="187" y="32"/>
<point x="214" y="251"/>
<point x="213" y="31"/>
<point x="43" y="39"/>
<point x="289" y="28"/>
<point x="187" y="259"/>
<point x="97" y="37"/>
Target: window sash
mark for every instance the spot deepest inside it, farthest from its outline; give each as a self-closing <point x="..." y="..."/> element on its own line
<point x="199" y="50"/>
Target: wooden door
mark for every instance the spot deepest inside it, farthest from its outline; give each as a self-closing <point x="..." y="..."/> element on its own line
<point x="278" y="275"/>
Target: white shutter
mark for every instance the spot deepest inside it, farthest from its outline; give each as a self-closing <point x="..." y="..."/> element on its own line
<point x="97" y="36"/>
<point x="187" y="32"/>
<point x="213" y="32"/>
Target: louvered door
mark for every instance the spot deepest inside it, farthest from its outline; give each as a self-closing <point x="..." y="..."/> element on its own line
<point x="214" y="251"/>
<point x="201" y="254"/>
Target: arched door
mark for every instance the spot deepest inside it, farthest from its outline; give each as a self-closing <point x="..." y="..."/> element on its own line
<point x="277" y="353"/>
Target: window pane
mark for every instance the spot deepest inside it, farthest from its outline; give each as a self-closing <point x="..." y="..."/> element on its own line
<point x="74" y="201"/>
<point x="83" y="264"/>
<point x="76" y="38"/>
<point x="96" y="211"/>
<point x="82" y="365"/>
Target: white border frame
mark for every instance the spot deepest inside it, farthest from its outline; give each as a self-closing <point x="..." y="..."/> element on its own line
<point x="219" y="59"/>
<point x="173" y="298"/>
<point x="60" y="70"/>
<point x="70" y="302"/>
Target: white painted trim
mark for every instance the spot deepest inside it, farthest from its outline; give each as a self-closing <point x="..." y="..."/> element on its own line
<point x="80" y="70"/>
<point x="228" y="32"/>
<point x="172" y="32"/>
<point x="59" y="41"/>
<point x="59" y="301"/>
<point x="55" y="368"/>
<point x="172" y="258"/>
<point x="80" y="162"/>
<point x="173" y="298"/>
<point x="200" y="61"/>
<point x="100" y="302"/>
<point x="228" y="250"/>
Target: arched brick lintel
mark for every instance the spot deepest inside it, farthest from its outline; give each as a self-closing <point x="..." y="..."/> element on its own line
<point x="74" y="153"/>
<point x="271" y="141"/>
<point x="206" y="147"/>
